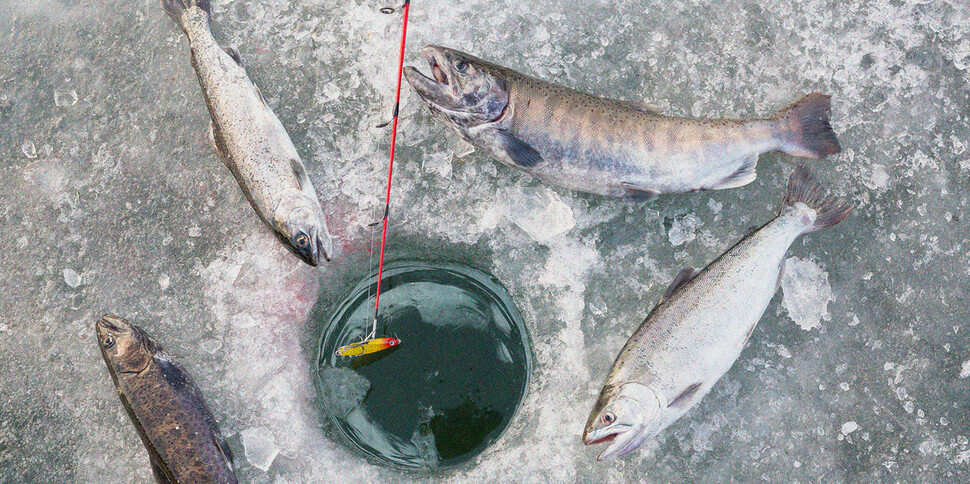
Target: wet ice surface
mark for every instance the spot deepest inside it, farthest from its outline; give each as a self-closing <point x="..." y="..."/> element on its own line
<point x="120" y="187"/>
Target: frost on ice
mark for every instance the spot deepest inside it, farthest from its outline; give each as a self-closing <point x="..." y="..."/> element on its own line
<point x="806" y="292"/>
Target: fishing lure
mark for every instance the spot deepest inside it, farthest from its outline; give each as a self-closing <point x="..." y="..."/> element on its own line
<point x="372" y="344"/>
<point x="367" y="346"/>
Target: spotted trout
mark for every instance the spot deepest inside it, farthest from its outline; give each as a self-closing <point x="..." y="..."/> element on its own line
<point x="252" y="142"/>
<point x="184" y="444"/>
<point x="699" y="327"/>
<point x="604" y="146"/>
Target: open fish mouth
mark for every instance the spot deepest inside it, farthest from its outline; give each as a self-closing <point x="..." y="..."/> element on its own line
<point x="601" y="440"/>
<point x="437" y="71"/>
<point x="438" y="90"/>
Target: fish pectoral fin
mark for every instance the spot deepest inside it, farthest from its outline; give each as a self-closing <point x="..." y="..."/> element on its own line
<point x="235" y="55"/>
<point x="216" y="140"/>
<point x="633" y="193"/>
<point x="300" y="172"/>
<point x="744" y="175"/>
<point x="781" y="273"/>
<point x="160" y="476"/>
<point x="224" y="449"/>
<point x="680" y="280"/>
<point x="519" y="151"/>
<point x="683" y="400"/>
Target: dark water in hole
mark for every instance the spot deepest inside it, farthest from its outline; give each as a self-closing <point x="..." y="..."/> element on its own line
<point x="453" y="384"/>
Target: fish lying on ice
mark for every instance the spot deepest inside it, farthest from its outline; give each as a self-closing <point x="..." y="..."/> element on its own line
<point x="614" y="148"/>
<point x="698" y="329"/>
<point x="183" y="441"/>
<point x="252" y="142"/>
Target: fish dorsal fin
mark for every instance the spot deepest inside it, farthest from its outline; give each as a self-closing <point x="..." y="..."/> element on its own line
<point x="641" y="106"/>
<point x="519" y="151"/>
<point x="683" y="277"/>
<point x="683" y="400"/>
<point x="633" y="193"/>
<point x="742" y="176"/>
<point x="235" y="55"/>
<point x="300" y="171"/>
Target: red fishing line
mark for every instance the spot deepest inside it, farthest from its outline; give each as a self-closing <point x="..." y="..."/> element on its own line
<point x="390" y="166"/>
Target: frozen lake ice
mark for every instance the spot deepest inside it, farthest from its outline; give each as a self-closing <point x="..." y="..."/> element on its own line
<point x="113" y="201"/>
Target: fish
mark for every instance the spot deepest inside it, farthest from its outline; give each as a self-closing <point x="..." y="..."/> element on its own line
<point x="252" y="142"/>
<point x="614" y="148"/>
<point x="182" y="438"/>
<point x="697" y="330"/>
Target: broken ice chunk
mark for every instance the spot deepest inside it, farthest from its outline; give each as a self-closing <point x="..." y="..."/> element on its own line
<point x="682" y="229"/>
<point x="72" y="278"/>
<point x="65" y="97"/>
<point x="343" y="389"/>
<point x="806" y="292"/>
<point x="538" y="211"/>
<point x="260" y="447"/>
<point x="849" y="427"/>
<point x="29" y="149"/>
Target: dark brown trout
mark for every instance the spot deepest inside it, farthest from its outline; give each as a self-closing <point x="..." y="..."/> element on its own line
<point x="252" y="142"/>
<point x="604" y="146"/>
<point x="183" y="441"/>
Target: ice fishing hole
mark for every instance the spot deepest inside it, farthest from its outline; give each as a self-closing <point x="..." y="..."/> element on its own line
<point x="449" y="389"/>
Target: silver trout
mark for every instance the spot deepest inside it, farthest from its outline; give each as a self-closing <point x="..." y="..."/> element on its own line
<point x="252" y="142"/>
<point x="699" y="327"/>
<point x="183" y="441"/>
<point x="604" y="146"/>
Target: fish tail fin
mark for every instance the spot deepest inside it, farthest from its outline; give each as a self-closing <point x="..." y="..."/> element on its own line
<point x="805" y="189"/>
<point x="175" y="8"/>
<point x="805" y="127"/>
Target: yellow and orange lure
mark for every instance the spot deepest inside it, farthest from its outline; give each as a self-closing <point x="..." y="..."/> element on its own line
<point x="367" y="346"/>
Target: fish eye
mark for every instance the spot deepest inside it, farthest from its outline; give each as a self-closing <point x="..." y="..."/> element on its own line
<point x="302" y="241"/>
<point x="461" y="66"/>
<point x="109" y="342"/>
<point x="609" y="418"/>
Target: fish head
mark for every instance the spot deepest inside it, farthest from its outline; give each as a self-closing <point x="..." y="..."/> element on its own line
<point x="126" y="348"/>
<point x="625" y="417"/>
<point x="467" y="90"/>
<point x="302" y="229"/>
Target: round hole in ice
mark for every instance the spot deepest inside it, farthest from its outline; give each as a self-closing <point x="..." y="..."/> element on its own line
<point x="453" y="384"/>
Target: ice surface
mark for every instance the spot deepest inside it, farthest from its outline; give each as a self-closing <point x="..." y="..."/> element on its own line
<point x="122" y="187"/>
<point x="260" y="447"/>
<point x="806" y="292"/>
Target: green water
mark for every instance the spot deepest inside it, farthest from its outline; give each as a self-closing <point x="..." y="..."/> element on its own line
<point x="453" y="384"/>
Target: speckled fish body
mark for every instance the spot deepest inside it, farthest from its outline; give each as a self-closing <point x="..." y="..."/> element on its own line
<point x="697" y="331"/>
<point x="620" y="149"/>
<point x="252" y="142"/>
<point x="183" y="441"/>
